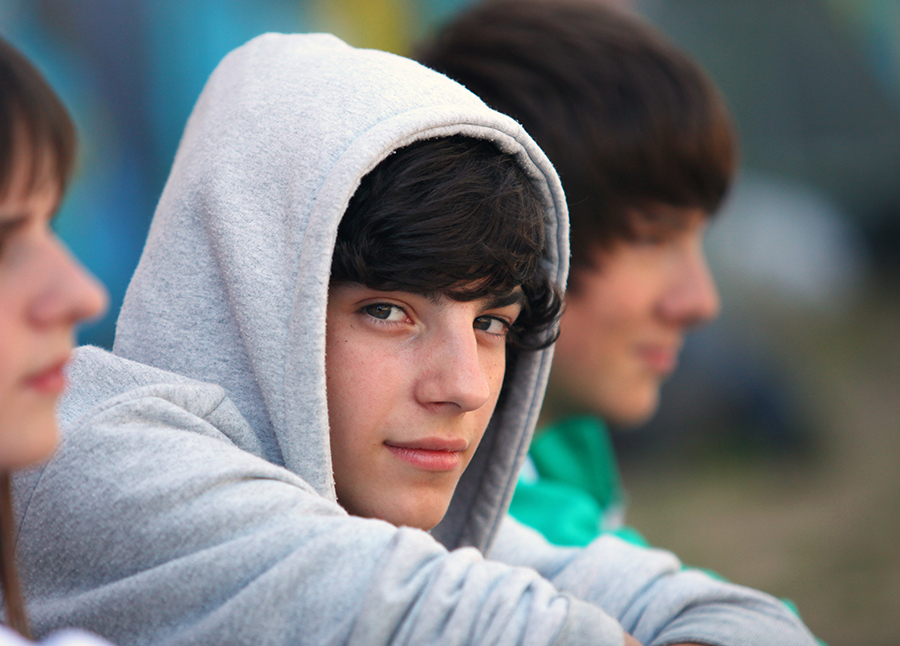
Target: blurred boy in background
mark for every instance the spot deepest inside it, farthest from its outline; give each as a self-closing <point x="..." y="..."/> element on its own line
<point x="646" y="151"/>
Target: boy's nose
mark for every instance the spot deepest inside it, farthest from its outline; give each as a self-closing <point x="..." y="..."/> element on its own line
<point x="69" y="293"/>
<point x="692" y="297"/>
<point x="454" y="373"/>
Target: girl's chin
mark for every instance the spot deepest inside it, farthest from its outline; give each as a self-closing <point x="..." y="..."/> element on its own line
<point x="28" y="442"/>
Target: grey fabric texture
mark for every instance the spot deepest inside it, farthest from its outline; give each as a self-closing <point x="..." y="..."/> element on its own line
<point x="232" y="285"/>
<point x="191" y="500"/>
<point x="658" y="602"/>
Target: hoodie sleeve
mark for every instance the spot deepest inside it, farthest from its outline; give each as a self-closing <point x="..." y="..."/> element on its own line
<point x="651" y="595"/>
<point x="147" y="534"/>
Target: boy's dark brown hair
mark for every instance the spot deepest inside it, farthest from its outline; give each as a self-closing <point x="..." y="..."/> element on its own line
<point x="630" y="122"/>
<point x="453" y="216"/>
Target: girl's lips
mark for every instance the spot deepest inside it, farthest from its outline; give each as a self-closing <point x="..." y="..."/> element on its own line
<point x="51" y="381"/>
<point x="430" y="454"/>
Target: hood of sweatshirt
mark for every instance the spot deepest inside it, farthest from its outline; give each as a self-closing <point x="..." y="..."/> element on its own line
<point x="233" y="282"/>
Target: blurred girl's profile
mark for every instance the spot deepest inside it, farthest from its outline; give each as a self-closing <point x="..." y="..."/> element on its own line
<point x="44" y="293"/>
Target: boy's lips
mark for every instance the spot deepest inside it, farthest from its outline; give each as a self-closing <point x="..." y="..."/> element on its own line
<point x="430" y="454"/>
<point x="662" y="359"/>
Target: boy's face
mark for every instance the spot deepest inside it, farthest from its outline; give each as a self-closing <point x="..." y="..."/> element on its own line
<point x="625" y="321"/>
<point x="412" y="382"/>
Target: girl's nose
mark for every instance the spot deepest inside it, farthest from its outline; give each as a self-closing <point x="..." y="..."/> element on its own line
<point x="69" y="293"/>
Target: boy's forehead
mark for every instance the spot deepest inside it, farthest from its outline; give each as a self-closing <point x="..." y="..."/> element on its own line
<point x="514" y="297"/>
<point x="672" y="215"/>
<point x="466" y="292"/>
<point x="475" y="292"/>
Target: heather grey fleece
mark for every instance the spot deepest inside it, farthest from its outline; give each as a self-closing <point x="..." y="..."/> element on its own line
<point x="192" y="499"/>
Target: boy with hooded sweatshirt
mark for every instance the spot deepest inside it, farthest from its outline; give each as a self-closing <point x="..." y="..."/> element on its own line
<point x="279" y="364"/>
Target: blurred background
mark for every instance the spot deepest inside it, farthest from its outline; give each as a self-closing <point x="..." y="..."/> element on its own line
<point x="775" y="458"/>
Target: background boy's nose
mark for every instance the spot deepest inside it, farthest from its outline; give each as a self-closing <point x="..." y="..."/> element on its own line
<point x="692" y="297"/>
<point x="69" y="293"/>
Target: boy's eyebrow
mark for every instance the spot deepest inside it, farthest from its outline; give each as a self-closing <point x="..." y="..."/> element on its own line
<point x="515" y="297"/>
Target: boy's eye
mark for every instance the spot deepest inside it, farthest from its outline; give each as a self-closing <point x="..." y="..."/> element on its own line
<point x="385" y="312"/>
<point x="491" y="325"/>
<point x="653" y="235"/>
<point x="649" y="240"/>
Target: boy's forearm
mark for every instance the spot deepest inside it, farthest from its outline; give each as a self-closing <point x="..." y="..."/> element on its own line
<point x="631" y="641"/>
<point x="647" y="591"/>
<point x="196" y="559"/>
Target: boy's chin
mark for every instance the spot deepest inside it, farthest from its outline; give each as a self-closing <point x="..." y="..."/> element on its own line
<point x="423" y="518"/>
<point x="630" y="407"/>
<point x="624" y="408"/>
<point x="421" y="512"/>
<point x="634" y="417"/>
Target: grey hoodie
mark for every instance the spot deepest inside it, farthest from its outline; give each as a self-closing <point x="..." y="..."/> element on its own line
<point x="192" y="500"/>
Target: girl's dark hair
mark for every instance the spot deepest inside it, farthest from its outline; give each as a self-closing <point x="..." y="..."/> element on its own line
<point x="454" y="216"/>
<point x="629" y="121"/>
<point x="13" y="601"/>
<point x="34" y="124"/>
<point x="35" y="128"/>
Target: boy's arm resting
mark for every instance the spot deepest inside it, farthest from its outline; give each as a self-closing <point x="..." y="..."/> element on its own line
<point x="649" y="593"/>
<point x="150" y="535"/>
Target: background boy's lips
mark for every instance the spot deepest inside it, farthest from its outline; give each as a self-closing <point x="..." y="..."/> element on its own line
<point x="660" y="358"/>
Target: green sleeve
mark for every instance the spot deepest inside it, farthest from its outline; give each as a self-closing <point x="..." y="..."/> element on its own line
<point x="577" y="493"/>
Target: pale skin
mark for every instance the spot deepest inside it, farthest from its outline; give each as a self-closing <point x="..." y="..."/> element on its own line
<point x="626" y="319"/>
<point x="412" y="382"/>
<point x="44" y="293"/>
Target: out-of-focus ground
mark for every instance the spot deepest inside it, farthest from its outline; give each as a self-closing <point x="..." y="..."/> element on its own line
<point x="819" y="525"/>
